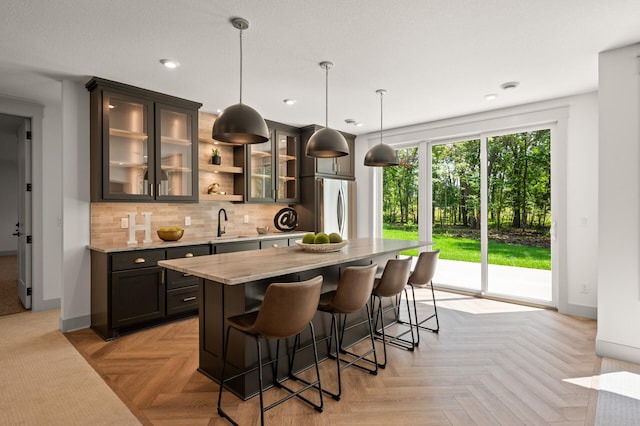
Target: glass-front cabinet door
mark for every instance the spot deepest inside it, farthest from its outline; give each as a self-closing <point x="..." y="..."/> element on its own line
<point x="273" y="168"/>
<point x="175" y="154"/>
<point x="128" y="134"/>
<point x="260" y="168"/>
<point x="286" y="155"/>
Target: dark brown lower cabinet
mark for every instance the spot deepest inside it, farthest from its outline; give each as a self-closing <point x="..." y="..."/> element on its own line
<point x="127" y="291"/>
<point x="130" y="291"/>
<point x="137" y="296"/>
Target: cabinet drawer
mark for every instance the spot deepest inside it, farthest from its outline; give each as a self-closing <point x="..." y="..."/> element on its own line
<point x="182" y="300"/>
<point x="136" y="259"/>
<point x="190" y="251"/>
<point x="177" y="279"/>
<point x="284" y="242"/>
<point x="237" y="246"/>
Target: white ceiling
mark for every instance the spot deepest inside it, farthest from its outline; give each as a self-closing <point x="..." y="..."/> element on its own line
<point x="437" y="59"/>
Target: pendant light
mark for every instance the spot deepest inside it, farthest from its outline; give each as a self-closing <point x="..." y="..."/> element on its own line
<point x="327" y="143"/>
<point x="381" y="155"/>
<point x="240" y="123"/>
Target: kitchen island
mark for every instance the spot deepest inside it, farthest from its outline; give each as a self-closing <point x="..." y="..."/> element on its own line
<point x="234" y="283"/>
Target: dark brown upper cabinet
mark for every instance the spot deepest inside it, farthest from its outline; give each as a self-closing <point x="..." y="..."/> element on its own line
<point x="144" y="144"/>
<point x="340" y="167"/>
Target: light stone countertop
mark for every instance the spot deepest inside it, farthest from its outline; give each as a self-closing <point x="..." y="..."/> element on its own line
<point x="185" y="241"/>
<point x="246" y="266"/>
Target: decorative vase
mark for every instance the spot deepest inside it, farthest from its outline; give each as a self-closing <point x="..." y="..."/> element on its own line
<point x="215" y="159"/>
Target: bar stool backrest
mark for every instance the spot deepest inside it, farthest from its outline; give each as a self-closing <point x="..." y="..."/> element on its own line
<point x="394" y="277"/>
<point x="287" y="308"/>
<point x="354" y="288"/>
<point x="425" y="268"/>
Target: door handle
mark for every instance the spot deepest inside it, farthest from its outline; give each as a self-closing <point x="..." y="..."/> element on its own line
<point x="17" y="233"/>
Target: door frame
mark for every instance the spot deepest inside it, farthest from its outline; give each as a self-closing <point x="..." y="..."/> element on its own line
<point x="25" y="281"/>
<point x="35" y="113"/>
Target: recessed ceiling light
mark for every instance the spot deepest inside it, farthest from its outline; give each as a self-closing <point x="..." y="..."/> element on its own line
<point x="358" y="124"/>
<point x="490" y="97"/>
<point x="509" y="85"/>
<point x="350" y="121"/>
<point x="289" y="101"/>
<point x="170" y="63"/>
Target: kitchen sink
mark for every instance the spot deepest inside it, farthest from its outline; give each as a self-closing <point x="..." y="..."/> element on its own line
<point x="230" y="237"/>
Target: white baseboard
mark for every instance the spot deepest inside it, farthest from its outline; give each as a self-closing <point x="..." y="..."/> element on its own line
<point x="580" y="311"/>
<point x="617" y="351"/>
<point x="77" y="323"/>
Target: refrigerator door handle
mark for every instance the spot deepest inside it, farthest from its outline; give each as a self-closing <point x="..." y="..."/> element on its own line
<point x="340" y="211"/>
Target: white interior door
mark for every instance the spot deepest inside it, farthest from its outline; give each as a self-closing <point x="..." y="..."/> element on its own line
<point x="24" y="214"/>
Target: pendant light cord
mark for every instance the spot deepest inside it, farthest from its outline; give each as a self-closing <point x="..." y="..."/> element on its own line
<point x="326" y="105"/>
<point x="241" y="65"/>
<point x="381" y="96"/>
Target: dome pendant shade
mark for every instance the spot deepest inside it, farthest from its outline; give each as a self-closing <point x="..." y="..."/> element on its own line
<point x="327" y="143"/>
<point x="381" y="155"/>
<point x="240" y="123"/>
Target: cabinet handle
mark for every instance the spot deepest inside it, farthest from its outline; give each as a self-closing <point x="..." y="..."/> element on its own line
<point x="186" y="275"/>
<point x="188" y="255"/>
<point x="189" y="299"/>
<point x="275" y="245"/>
<point x="139" y="260"/>
<point x="151" y="189"/>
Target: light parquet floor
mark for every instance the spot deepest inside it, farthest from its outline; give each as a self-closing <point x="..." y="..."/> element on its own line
<point x="492" y="364"/>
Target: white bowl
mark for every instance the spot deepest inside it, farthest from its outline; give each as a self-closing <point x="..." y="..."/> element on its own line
<point x="321" y="248"/>
<point x="262" y="229"/>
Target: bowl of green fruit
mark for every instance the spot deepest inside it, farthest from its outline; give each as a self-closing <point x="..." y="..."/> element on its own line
<point x="170" y="233"/>
<point x="321" y="242"/>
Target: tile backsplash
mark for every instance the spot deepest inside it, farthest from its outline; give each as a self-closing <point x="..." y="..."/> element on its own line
<point x="106" y="218"/>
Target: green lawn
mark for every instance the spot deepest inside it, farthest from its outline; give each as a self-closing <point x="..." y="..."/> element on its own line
<point x="468" y="250"/>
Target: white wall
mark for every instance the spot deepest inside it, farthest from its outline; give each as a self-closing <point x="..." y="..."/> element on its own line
<point x="76" y="289"/>
<point x="579" y="137"/>
<point x="47" y="168"/>
<point x="8" y="191"/>
<point x="619" y="205"/>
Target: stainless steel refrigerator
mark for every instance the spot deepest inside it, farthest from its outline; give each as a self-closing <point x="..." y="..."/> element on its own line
<point x="327" y="205"/>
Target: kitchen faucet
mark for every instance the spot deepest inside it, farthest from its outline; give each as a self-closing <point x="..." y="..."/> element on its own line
<point x="222" y="230"/>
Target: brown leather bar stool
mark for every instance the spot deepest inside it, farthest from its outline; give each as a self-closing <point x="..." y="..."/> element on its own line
<point x="351" y="295"/>
<point x="422" y="276"/>
<point x="391" y="285"/>
<point x="286" y="310"/>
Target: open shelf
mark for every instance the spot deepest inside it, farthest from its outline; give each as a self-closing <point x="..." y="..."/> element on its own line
<point x="219" y="197"/>
<point x="213" y="168"/>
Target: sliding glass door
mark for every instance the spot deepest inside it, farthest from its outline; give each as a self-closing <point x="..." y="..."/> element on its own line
<point x="519" y="215"/>
<point x="491" y="214"/>
<point x="456" y="214"/>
